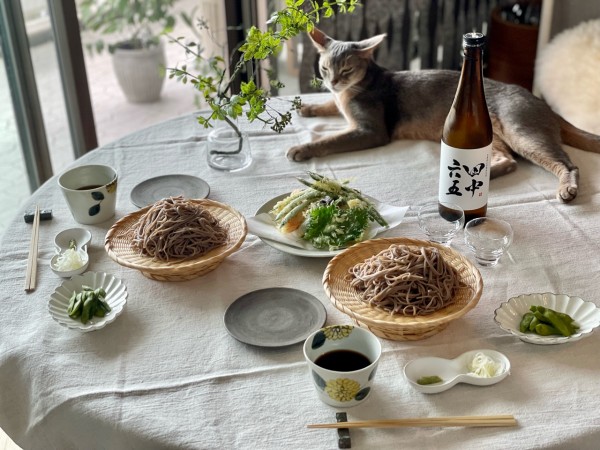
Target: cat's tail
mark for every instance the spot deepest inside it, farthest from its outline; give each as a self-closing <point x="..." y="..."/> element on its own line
<point x="575" y="137"/>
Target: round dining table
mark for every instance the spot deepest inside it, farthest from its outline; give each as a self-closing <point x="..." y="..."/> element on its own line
<point x="168" y="374"/>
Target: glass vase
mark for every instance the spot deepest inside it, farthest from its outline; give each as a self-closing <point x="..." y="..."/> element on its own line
<point x="227" y="151"/>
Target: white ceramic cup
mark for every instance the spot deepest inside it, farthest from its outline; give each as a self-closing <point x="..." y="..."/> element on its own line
<point x="335" y="387"/>
<point x="90" y="192"/>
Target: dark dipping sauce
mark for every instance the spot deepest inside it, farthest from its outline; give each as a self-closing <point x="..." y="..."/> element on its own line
<point x="91" y="186"/>
<point x="342" y="361"/>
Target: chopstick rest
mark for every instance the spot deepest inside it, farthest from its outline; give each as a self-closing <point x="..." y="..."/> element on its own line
<point x="343" y="433"/>
<point x="45" y="214"/>
<point x="450" y="421"/>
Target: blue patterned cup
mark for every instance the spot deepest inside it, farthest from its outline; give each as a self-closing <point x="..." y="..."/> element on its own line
<point x="342" y="360"/>
<point x="90" y="192"/>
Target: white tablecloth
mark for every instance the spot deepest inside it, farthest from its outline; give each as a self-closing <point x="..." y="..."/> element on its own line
<point x="166" y="374"/>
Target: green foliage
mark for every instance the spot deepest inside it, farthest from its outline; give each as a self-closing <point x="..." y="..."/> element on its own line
<point x="298" y="16"/>
<point x="134" y="23"/>
<point x="334" y="226"/>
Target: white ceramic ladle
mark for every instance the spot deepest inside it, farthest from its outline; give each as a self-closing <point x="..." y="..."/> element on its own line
<point x="62" y="241"/>
<point x="453" y="371"/>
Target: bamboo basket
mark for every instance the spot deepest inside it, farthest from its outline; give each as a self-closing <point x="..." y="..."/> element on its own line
<point x="399" y="327"/>
<point x="118" y="246"/>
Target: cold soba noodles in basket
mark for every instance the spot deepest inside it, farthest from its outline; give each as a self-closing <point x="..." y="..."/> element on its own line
<point x="406" y="280"/>
<point x="174" y="228"/>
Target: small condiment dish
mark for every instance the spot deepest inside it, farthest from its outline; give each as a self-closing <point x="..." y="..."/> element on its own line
<point x="454" y="371"/>
<point x="62" y="241"/>
<point x="81" y="236"/>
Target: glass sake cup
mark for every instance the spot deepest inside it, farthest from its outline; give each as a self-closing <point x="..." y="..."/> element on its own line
<point x="488" y="239"/>
<point x="440" y="221"/>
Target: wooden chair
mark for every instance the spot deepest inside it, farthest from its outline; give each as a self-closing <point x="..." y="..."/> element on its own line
<point x="421" y="34"/>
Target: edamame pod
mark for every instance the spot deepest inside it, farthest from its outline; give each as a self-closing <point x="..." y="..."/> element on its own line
<point x="539" y="316"/>
<point x="77" y="307"/>
<point x="534" y="322"/>
<point x="87" y="307"/>
<point x="544" y="329"/>
<point x="525" y="322"/>
<point x="557" y="322"/>
<point x="71" y="303"/>
<point x="76" y="312"/>
<point x="104" y="305"/>
<point x="565" y="317"/>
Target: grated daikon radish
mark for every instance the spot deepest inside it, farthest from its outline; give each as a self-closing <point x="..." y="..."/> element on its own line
<point x="483" y="366"/>
<point x="70" y="259"/>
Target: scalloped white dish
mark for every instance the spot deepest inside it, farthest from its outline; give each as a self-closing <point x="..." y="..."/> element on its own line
<point x="585" y="314"/>
<point x="454" y="371"/>
<point x="116" y="296"/>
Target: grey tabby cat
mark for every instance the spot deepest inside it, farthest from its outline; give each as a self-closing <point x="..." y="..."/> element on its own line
<point x="380" y="106"/>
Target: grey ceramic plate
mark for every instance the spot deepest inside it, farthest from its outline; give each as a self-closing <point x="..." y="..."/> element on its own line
<point x="274" y="317"/>
<point x="155" y="189"/>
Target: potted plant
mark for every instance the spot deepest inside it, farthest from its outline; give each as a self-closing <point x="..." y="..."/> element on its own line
<point x="138" y="54"/>
<point x="215" y="81"/>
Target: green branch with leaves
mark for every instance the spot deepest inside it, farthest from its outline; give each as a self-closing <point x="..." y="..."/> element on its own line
<point x="252" y="101"/>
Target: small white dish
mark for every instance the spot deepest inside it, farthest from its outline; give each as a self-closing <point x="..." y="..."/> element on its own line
<point x="62" y="241"/>
<point x="116" y="296"/>
<point x="69" y="273"/>
<point x="81" y="236"/>
<point x="453" y="371"/>
<point x="585" y="314"/>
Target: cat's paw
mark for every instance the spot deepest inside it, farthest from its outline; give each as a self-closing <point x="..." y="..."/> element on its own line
<point x="568" y="187"/>
<point x="299" y="153"/>
<point x="307" y="111"/>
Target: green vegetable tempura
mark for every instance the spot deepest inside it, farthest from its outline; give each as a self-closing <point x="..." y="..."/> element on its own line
<point x="333" y="215"/>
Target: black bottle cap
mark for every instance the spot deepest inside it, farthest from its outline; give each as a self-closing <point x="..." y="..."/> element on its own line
<point x="473" y="39"/>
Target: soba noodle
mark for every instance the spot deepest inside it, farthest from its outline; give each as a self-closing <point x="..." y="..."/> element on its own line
<point x="174" y="228"/>
<point x="406" y="280"/>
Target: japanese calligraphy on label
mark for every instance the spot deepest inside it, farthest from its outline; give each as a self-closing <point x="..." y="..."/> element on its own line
<point x="465" y="176"/>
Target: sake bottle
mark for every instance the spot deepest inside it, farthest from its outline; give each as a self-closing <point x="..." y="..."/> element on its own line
<point x="466" y="148"/>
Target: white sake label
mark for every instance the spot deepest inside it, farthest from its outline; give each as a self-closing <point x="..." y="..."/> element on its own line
<point x="465" y="176"/>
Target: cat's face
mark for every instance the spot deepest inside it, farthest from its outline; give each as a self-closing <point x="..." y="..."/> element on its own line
<point x="343" y="65"/>
<point x="341" y="69"/>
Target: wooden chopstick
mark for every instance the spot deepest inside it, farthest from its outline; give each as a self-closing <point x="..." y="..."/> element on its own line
<point x="30" y="277"/>
<point x="450" y="421"/>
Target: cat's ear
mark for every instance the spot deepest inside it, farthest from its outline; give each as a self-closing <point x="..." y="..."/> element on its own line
<point x="368" y="46"/>
<point x="319" y="39"/>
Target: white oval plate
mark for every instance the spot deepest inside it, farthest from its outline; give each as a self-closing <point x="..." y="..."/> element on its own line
<point x="585" y="314"/>
<point x="116" y="296"/>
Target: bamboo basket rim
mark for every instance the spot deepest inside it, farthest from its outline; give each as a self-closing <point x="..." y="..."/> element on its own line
<point x="117" y="243"/>
<point x="347" y="300"/>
